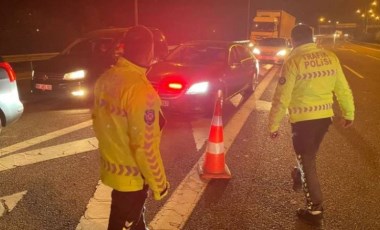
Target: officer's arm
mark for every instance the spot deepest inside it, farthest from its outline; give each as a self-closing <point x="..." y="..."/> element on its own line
<point x="144" y="132"/>
<point x="282" y="95"/>
<point x="343" y="94"/>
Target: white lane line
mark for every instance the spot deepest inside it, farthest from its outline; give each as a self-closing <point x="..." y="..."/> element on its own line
<point x="371" y="48"/>
<point x="178" y="208"/>
<point x="268" y="66"/>
<point x="38" y="155"/>
<point x="346" y="49"/>
<point x="354" y="72"/>
<point x="48" y="136"/>
<point x="373" y="57"/>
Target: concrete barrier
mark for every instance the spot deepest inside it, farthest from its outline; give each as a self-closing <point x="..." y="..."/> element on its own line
<point x="28" y="57"/>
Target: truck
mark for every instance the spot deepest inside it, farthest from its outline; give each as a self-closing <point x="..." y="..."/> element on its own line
<point x="272" y="24"/>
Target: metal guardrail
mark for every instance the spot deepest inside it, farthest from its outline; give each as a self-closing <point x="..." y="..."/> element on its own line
<point x="28" y="57"/>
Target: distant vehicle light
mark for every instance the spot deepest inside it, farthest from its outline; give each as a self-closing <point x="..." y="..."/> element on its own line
<point x="78" y="93"/>
<point x="198" y="88"/>
<point x="281" y="53"/>
<point x="256" y="51"/>
<point x="80" y="74"/>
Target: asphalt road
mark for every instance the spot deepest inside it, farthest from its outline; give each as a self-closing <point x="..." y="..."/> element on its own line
<point x="49" y="181"/>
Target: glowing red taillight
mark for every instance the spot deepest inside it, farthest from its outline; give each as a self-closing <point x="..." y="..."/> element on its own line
<point x="171" y="85"/>
<point x="9" y="70"/>
<point x="175" y="85"/>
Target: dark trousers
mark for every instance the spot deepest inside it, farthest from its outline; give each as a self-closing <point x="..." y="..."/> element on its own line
<point x="127" y="210"/>
<point x="307" y="136"/>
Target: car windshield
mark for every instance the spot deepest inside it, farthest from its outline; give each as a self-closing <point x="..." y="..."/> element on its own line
<point x="87" y="47"/>
<point x="276" y="42"/>
<point x="192" y="54"/>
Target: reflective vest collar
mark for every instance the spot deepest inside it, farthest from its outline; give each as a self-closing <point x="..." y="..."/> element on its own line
<point x="122" y="62"/>
<point x="303" y="47"/>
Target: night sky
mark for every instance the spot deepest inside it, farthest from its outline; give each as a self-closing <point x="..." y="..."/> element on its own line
<point x="29" y="26"/>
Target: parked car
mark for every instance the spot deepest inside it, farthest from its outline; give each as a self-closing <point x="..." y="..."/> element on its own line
<point x="74" y="71"/>
<point x="11" y="108"/>
<point x="272" y="50"/>
<point x="188" y="79"/>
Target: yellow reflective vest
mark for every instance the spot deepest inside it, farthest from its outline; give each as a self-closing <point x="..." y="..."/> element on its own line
<point x="126" y="117"/>
<point x="309" y="79"/>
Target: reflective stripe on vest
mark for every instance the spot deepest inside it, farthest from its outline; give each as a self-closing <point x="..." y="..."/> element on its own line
<point x="121" y="170"/>
<point x="312" y="75"/>
<point x="310" y="109"/>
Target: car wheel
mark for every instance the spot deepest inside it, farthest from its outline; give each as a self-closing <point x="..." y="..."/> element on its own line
<point x="1" y="125"/>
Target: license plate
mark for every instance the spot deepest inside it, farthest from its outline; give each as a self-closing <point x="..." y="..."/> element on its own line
<point x="164" y="103"/>
<point x="44" y="87"/>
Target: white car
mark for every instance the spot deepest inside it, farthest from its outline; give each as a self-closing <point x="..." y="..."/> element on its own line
<point x="11" y="107"/>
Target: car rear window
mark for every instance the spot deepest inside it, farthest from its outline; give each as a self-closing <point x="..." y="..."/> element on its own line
<point x="197" y="55"/>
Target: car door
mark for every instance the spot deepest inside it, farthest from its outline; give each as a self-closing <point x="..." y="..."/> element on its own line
<point x="235" y="72"/>
<point x="248" y="65"/>
<point x="244" y="69"/>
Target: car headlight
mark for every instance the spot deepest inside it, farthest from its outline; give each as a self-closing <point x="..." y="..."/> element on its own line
<point x="256" y="51"/>
<point x="281" y="53"/>
<point x="76" y="75"/>
<point x="198" y="88"/>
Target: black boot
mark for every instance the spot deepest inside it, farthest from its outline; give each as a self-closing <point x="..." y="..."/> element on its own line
<point x="309" y="218"/>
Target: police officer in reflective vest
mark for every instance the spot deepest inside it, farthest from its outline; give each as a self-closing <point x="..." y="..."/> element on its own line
<point x="310" y="78"/>
<point x="126" y="121"/>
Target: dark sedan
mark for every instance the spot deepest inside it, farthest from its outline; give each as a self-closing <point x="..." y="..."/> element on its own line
<point x="74" y="71"/>
<point x="191" y="75"/>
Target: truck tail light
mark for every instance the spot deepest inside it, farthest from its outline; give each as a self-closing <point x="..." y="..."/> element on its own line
<point x="9" y="70"/>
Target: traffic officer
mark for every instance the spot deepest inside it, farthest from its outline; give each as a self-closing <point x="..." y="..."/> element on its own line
<point x="310" y="77"/>
<point x="127" y="122"/>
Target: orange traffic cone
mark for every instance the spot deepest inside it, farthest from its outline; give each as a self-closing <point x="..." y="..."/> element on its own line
<point x="214" y="165"/>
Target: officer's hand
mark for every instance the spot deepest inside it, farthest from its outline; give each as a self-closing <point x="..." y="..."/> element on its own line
<point x="274" y="135"/>
<point x="347" y="123"/>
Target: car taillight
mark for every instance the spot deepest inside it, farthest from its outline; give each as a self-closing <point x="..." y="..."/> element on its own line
<point x="175" y="86"/>
<point x="9" y="70"/>
<point x="171" y="85"/>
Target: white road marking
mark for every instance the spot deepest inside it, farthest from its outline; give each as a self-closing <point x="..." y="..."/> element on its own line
<point x="263" y="105"/>
<point x="373" y="57"/>
<point x="268" y="66"/>
<point x="346" y="49"/>
<point x="48" y="136"/>
<point x="48" y="153"/>
<point x="8" y="203"/>
<point x="378" y="50"/>
<point x="354" y="72"/>
<point x="200" y="129"/>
